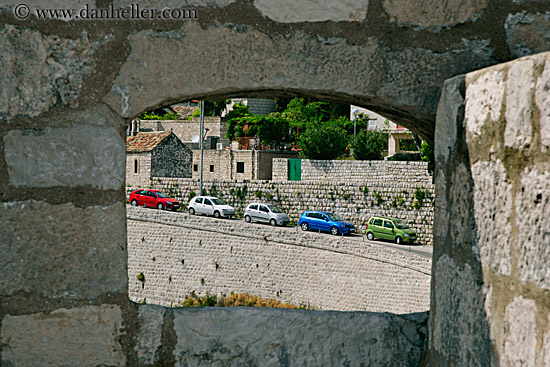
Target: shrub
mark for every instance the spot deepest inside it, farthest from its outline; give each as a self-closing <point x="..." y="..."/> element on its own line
<point x="368" y="145"/>
<point x="427" y="151"/>
<point x="323" y="141"/>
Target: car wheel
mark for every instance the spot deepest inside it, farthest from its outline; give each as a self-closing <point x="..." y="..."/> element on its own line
<point x="398" y="240"/>
<point x="191" y="211"/>
<point x="370" y="236"/>
<point x="247" y="219"/>
<point x="334" y="231"/>
<point x="216" y="214"/>
<point x="134" y="202"/>
<point x="305" y="226"/>
<point x="160" y="206"/>
<point x="273" y="222"/>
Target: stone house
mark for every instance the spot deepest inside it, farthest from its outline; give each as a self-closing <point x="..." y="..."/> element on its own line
<point x="232" y="164"/>
<point x="156" y="154"/>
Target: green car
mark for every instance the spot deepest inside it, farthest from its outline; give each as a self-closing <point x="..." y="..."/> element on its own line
<point x="389" y="229"/>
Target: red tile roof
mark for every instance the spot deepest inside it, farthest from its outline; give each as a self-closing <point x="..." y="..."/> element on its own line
<point x="145" y="142"/>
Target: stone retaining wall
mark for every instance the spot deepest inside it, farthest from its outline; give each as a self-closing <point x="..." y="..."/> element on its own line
<point x="389" y="190"/>
<point x="179" y="253"/>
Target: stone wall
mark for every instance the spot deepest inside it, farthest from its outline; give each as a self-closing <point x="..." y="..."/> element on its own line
<point x="239" y="336"/>
<point x="143" y="174"/>
<point x="69" y="86"/>
<point x="390" y="191"/>
<point x="492" y="227"/>
<point x="185" y="129"/>
<point x="179" y="254"/>
<point x="171" y="158"/>
<point x="257" y="164"/>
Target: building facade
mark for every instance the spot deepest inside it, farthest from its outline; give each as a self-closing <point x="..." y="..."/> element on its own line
<point x="156" y="154"/>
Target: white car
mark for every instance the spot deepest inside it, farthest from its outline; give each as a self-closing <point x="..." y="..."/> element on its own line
<point x="267" y="213"/>
<point x="210" y="205"/>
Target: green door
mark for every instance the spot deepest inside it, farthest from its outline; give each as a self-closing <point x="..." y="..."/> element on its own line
<point x="295" y="170"/>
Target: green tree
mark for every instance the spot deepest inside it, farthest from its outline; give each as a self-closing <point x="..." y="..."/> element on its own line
<point x="323" y="141"/>
<point x="427" y="152"/>
<point x="239" y="110"/>
<point x="369" y="144"/>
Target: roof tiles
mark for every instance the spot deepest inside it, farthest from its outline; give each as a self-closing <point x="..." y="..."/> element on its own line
<point x="145" y="141"/>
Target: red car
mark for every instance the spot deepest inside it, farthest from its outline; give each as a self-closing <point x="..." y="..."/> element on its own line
<point x="153" y="199"/>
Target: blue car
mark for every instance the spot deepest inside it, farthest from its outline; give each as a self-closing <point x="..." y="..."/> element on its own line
<point x="325" y="221"/>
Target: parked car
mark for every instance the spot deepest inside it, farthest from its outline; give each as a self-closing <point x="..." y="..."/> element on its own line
<point x="325" y="221"/>
<point x="267" y="213"/>
<point x="210" y="205"/>
<point x="153" y="199"/>
<point x="389" y="229"/>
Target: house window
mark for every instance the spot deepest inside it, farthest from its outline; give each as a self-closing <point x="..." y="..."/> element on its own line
<point x="195" y="167"/>
<point x="240" y="167"/>
<point x="136" y="166"/>
<point x="211" y="168"/>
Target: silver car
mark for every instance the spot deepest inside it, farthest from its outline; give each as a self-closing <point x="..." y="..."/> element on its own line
<point x="209" y="205"/>
<point x="267" y="213"/>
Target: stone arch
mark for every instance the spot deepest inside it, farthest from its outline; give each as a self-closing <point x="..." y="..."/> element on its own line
<point x="69" y="85"/>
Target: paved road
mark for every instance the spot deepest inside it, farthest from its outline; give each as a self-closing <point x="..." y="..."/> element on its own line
<point x="418" y="249"/>
<point x="422" y="250"/>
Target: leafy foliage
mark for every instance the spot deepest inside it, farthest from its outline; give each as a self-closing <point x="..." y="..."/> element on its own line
<point x="233" y="300"/>
<point x="159" y="114"/>
<point x="427" y="151"/>
<point x="234" y="116"/>
<point x="323" y="141"/>
<point x="368" y="145"/>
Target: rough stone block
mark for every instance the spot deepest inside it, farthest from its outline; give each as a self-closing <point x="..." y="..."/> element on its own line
<point x="149" y="332"/>
<point x="484" y="97"/>
<point x="520" y="343"/>
<point x="85" y="336"/>
<point x="61" y="250"/>
<point x="293" y="11"/>
<point x="542" y="99"/>
<point x="493" y="222"/>
<point x="428" y="13"/>
<point x="75" y="156"/>
<point x="533" y="223"/>
<point x="39" y="71"/>
<point x="519" y="104"/>
<point x="527" y="33"/>
<point x="273" y="337"/>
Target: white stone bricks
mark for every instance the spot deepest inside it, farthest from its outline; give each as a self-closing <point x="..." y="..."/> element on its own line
<point x="179" y="253"/>
<point x="519" y="104"/>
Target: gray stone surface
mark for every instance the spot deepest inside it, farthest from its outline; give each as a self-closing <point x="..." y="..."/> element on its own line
<point x="461" y="324"/>
<point x="542" y="99"/>
<point x="86" y="336"/>
<point x="519" y="104"/>
<point x="292" y="11"/>
<point x="533" y="223"/>
<point x="149" y="332"/>
<point x="61" y="250"/>
<point x="493" y="223"/>
<point x="520" y="343"/>
<point x="484" y="97"/>
<point x="527" y="33"/>
<point x="73" y="156"/>
<point x="272" y="337"/>
<point x="428" y="13"/>
<point x="180" y="253"/>
<point x="40" y="71"/>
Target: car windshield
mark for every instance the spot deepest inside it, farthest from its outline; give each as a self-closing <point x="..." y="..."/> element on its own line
<point x="274" y="209"/>
<point x="160" y="194"/>
<point x="218" y="202"/>
<point x="400" y="225"/>
<point x="335" y="217"/>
